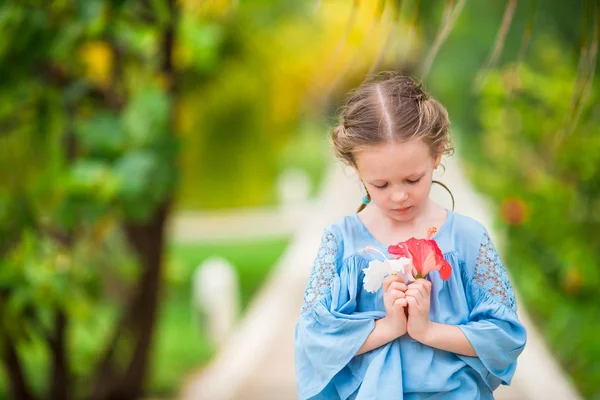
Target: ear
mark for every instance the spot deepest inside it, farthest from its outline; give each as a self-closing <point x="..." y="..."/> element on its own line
<point x="437" y="161"/>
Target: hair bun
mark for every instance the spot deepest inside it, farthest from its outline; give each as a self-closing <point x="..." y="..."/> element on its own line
<point x="414" y="90"/>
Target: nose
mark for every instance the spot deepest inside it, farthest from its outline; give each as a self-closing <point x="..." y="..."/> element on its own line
<point x="399" y="197"/>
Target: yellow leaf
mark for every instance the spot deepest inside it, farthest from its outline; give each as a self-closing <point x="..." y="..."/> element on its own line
<point x="97" y="59"/>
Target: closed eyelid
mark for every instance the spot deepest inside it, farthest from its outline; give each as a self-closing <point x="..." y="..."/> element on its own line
<point x="386" y="184"/>
<point x="408" y="178"/>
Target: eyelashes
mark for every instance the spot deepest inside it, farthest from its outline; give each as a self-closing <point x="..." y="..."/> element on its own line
<point x="409" y="182"/>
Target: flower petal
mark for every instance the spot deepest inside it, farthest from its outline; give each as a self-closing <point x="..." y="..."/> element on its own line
<point x="426" y="256"/>
<point x="445" y="271"/>
<point x="399" y="250"/>
<point x="402" y="267"/>
<point x="374" y="275"/>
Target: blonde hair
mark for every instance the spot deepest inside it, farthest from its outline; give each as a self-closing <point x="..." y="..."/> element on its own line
<point x="390" y="108"/>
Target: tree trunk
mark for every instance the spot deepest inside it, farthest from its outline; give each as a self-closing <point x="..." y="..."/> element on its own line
<point x="17" y="384"/>
<point x="60" y="372"/>
<point x="148" y="241"/>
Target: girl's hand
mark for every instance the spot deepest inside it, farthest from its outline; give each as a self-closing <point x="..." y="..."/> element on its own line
<point x="418" y="299"/>
<point x="394" y="301"/>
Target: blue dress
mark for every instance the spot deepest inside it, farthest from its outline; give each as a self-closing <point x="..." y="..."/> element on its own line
<point x="338" y="315"/>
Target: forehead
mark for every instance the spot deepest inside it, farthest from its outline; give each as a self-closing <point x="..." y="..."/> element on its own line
<point x="394" y="160"/>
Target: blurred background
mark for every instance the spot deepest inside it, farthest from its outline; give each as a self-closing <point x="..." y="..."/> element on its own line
<point x="157" y="158"/>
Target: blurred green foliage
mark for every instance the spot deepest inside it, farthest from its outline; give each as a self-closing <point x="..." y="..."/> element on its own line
<point x="87" y="172"/>
<point x="546" y="179"/>
<point x="111" y="113"/>
<point x="254" y="110"/>
<point x="542" y="178"/>
<point x="182" y="343"/>
<point x="112" y="110"/>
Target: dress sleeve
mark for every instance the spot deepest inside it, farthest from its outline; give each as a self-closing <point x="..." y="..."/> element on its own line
<point x="329" y="332"/>
<point x="494" y="329"/>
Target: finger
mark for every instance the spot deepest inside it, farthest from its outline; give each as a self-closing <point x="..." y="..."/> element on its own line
<point x="400" y="302"/>
<point x="412" y="302"/>
<point x="425" y="284"/>
<point x="398" y="286"/>
<point x="388" y="280"/>
<point x="428" y="287"/>
<point x="417" y="294"/>
<point x="395" y="294"/>
<point x="416" y="300"/>
<point x="416" y="287"/>
<point x="426" y="290"/>
<point x="422" y="289"/>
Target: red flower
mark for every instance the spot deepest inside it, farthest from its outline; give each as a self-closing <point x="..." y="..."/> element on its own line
<point x="426" y="256"/>
<point x="399" y="250"/>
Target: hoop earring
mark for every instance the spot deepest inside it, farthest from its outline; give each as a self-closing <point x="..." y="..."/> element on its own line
<point x="449" y="191"/>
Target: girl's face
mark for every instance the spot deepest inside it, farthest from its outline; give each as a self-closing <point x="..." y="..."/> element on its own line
<point x="398" y="177"/>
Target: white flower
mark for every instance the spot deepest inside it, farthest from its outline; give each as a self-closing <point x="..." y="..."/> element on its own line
<point x="378" y="270"/>
<point x="403" y="268"/>
<point x="374" y="275"/>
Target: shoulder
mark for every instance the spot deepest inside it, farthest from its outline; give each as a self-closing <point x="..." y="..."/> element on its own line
<point x="472" y="242"/>
<point x="342" y="226"/>
<point x="467" y="231"/>
<point x="467" y="235"/>
<point x="344" y="236"/>
<point x="343" y="229"/>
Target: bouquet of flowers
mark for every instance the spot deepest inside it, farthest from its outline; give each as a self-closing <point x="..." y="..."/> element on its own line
<point x="412" y="259"/>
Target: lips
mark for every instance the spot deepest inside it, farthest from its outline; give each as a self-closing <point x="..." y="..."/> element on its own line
<point x="402" y="210"/>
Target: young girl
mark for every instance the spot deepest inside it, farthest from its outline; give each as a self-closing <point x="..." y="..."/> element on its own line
<point x="460" y="338"/>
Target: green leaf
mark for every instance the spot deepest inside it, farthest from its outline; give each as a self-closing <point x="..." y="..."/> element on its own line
<point x="92" y="179"/>
<point x="102" y="134"/>
<point x="18" y="301"/>
<point x="200" y="44"/>
<point x="135" y="172"/>
<point x="146" y="118"/>
<point x="161" y="10"/>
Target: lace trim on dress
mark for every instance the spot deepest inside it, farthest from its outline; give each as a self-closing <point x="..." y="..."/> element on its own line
<point x="323" y="272"/>
<point x="491" y="275"/>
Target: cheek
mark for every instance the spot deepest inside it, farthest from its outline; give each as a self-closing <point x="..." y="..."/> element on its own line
<point x="381" y="197"/>
<point x="378" y="196"/>
<point x="419" y="193"/>
<point x="424" y="191"/>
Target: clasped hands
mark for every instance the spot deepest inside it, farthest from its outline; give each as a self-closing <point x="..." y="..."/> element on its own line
<point x="415" y="297"/>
